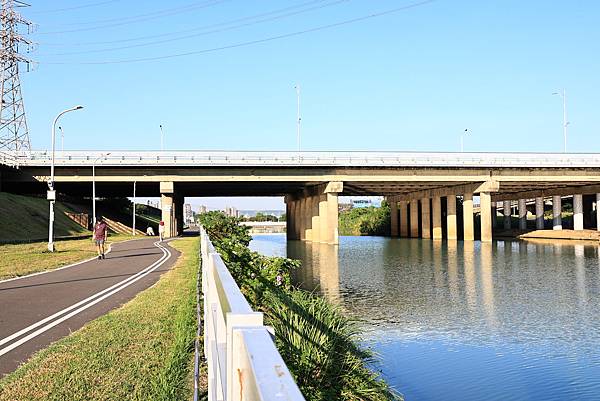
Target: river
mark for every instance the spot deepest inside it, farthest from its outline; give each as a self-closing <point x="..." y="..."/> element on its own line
<point x="508" y="320"/>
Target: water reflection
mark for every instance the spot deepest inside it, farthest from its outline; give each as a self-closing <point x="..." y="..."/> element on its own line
<point x="508" y="320"/>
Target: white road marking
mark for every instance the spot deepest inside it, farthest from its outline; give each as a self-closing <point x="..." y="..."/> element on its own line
<point x="100" y="296"/>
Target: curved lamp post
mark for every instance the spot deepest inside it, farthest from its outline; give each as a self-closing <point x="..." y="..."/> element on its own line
<point x="51" y="192"/>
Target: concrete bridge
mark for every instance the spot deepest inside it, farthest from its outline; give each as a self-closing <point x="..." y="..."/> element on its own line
<point x="422" y="187"/>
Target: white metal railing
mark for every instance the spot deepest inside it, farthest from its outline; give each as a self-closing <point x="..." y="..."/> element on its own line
<point x="243" y="362"/>
<point x="306" y="159"/>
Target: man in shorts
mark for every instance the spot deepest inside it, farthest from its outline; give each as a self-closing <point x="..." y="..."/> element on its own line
<point x="99" y="236"/>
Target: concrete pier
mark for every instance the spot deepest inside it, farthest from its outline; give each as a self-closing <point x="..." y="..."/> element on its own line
<point x="522" y="214"/>
<point x="436" y="211"/>
<point x="539" y="213"/>
<point x="578" y="212"/>
<point x="486" y="216"/>
<point x="451" y="219"/>
<point x="425" y="218"/>
<point x="556" y="213"/>
<point x="403" y="211"/>
<point x="506" y="210"/>
<point x="414" y="218"/>
<point x="468" y="225"/>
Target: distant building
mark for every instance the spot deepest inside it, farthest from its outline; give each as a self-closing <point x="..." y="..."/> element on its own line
<point x="232" y="212"/>
<point x="188" y="215"/>
<point x="203" y="209"/>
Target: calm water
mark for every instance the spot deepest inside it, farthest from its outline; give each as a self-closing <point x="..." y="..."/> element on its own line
<point x="466" y="321"/>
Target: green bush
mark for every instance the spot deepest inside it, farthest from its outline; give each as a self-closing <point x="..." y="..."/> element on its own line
<point x="366" y="221"/>
<point x="317" y="342"/>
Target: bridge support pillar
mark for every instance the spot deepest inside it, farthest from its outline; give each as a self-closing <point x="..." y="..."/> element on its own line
<point x="404" y="229"/>
<point x="425" y="218"/>
<point x="178" y="202"/>
<point x="302" y="218"/>
<point x="486" y="216"/>
<point x="451" y="220"/>
<point x="494" y="215"/>
<point x="414" y="218"/>
<point x="539" y="213"/>
<point x="522" y="214"/>
<point x="316" y="218"/>
<point x="468" y="228"/>
<point x="598" y="212"/>
<point x="507" y="211"/>
<point x="289" y="221"/>
<point x="436" y="211"/>
<point x="307" y="216"/>
<point x="578" y="212"/>
<point x="393" y="216"/>
<point x="329" y="229"/>
<point x="167" y="192"/>
<point x="556" y="213"/>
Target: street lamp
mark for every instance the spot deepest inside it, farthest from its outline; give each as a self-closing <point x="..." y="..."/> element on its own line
<point x="51" y="191"/>
<point x="62" y="139"/>
<point x="94" y="186"/>
<point x="565" y="122"/>
<point x="162" y="135"/>
<point x="299" y="119"/>
<point x="462" y="146"/>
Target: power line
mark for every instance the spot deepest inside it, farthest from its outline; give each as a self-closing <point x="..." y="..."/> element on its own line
<point x="141" y="17"/>
<point x="201" y="33"/>
<point x="56" y="10"/>
<point x="252" y="42"/>
<point x="251" y="17"/>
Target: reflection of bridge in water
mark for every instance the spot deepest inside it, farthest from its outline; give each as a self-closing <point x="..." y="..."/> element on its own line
<point x="432" y="285"/>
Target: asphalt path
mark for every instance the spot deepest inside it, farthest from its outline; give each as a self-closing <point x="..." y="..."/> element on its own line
<point x="39" y="309"/>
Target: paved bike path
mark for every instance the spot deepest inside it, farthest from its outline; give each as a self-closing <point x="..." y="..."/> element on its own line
<point x="40" y="309"/>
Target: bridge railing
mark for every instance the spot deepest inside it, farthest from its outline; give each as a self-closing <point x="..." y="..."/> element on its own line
<point x="243" y="362"/>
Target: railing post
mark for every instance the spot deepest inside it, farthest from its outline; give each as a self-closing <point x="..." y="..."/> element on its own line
<point x="237" y="321"/>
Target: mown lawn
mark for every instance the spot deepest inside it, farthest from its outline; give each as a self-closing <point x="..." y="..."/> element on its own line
<point x="141" y="351"/>
<point x="23" y="259"/>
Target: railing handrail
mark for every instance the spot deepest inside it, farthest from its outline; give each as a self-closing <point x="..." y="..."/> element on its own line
<point x="305" y="159"/>
<point x="241" y="354"/>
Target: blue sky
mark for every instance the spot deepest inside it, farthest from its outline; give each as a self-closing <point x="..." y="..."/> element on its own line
<point x="409" y="80"/>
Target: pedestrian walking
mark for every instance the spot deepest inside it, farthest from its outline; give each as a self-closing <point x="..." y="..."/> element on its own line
<point x="161" y="230"/>
<point x="150" y="231"/>
<point x="99" y="235"/>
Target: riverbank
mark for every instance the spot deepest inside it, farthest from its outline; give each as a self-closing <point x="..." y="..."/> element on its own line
<point x="141" y="351"/>
<point x="316" y="340"/>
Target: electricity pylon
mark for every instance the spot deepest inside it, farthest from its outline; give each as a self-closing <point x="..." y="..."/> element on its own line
<point x="14" y="134"/>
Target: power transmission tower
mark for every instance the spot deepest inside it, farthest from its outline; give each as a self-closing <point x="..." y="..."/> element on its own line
<point x="14" y="134"/>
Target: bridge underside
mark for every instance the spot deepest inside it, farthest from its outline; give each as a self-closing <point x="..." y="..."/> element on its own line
<point x="420" y="197"/>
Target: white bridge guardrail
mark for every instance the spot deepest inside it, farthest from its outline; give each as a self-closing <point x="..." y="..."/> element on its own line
<point x="243" y="362"/>
<point x="305" y="159"/>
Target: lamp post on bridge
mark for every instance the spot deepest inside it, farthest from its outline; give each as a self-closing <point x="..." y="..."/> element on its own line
<point x="462" y="145"/>
<point x="51" y="191"/>
<point x="563" y="95"/>
<point x="94" y="186"/>
<point x="162" y="136"/>
<point x="299" y="119"/>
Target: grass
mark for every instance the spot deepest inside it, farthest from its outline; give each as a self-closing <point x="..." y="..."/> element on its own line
<point x="141" y="351"/>
<point x="25" y="219"/>
<point x="22" y="259"/>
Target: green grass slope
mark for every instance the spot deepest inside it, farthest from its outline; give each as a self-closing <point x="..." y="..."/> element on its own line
<point x="24" y="218"/>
